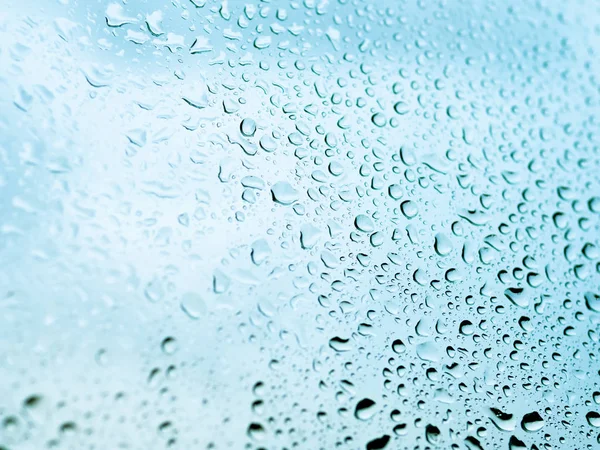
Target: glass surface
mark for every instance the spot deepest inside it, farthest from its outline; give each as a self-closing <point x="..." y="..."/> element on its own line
<point x="299" y="224"/>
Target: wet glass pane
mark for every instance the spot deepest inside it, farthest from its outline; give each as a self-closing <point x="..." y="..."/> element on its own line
<point x="299" y="224"/>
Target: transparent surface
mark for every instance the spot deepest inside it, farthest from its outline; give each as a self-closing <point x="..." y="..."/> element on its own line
<point x="296" y="224"/>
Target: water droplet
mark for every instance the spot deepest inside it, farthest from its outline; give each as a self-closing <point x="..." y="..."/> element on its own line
<point x="154" y="291"/>
<point x="592" y="301"/>
<point x="339" y="344"/>
<point x="398" y="346"/>
<point x="532" y="422"/>
<point x="401" y="108"/>
<point x="466" y="328"/>
<point x="409" y="209"/>
<point x="395" y="191"/>
<point x="169" y="345"/>
<point x="256" y="432"/>
<point x="379" y="119"/>
<point x="193" y="305"/>
<point x="379" y="443"/>
<point x="365" y="409"/>
<point x="283" y="193"/>
<point x="443" y="245"/>
<point x="517" y="296"/>
<point x="248" y="127"/>
<point x="429" y="351"/>
<point x="364" y="223"/>
<point x="116" y="17"/>
<point x="309" y="236"/>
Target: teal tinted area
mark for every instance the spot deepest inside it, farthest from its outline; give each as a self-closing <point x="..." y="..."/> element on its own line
<point x="299" y="224"/>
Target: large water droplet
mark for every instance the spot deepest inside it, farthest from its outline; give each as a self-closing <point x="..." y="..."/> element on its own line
<point x="283" y="193"/>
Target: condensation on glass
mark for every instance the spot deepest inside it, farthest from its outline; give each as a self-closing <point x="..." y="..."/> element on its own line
<point x="299" y="224"/>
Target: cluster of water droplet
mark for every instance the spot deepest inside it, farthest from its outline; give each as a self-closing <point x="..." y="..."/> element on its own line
<point x="300" y="224"/>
